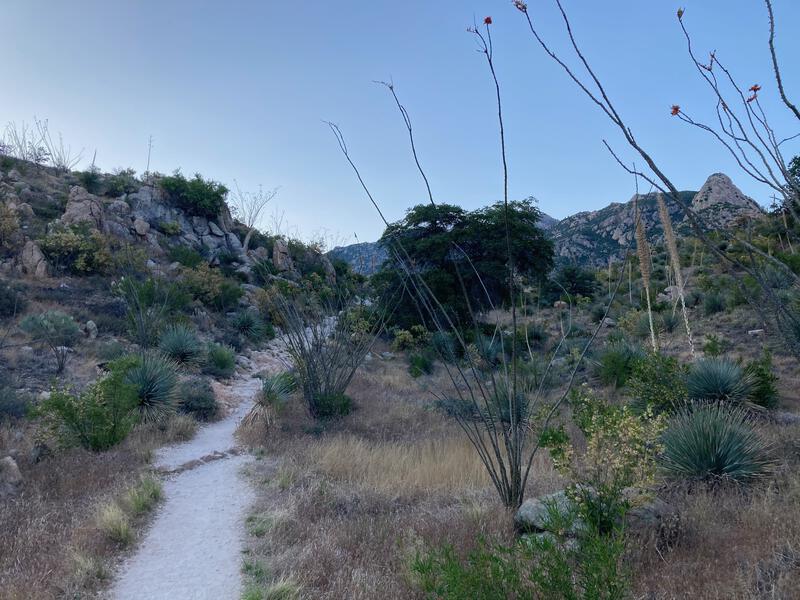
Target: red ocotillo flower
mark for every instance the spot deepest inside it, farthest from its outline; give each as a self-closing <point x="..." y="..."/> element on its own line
<point x="487" y="21"/>
<point x="675" y="110"/>
<point x="755" y="88"/>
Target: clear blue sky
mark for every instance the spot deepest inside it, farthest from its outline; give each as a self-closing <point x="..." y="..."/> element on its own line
<point x="238" y="89"/>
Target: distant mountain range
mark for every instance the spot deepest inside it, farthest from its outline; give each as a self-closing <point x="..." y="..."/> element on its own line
<point x="592" y="237"/>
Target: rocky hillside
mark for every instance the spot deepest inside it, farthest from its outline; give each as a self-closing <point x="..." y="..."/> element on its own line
<point x="364" y="258"/>
<point x="50" y="223"/>
<point x="592" y="237"/>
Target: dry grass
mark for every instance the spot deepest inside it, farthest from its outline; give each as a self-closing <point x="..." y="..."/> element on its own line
<point x="347" y="506"/>
<point x="58" y="533"/>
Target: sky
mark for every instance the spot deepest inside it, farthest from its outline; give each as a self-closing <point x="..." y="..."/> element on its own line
<point x="239" y="91"/>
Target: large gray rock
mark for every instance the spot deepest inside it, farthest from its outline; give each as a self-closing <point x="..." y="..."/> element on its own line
<point x="32" y="260"/>
<point x="200" y="226"/>
<point x="10" y="477"/>
<point x="533" y="515"/>
<point x="280" y="256"/>
<point x="119" y="208"/>
<point x="83" y="207"/>
<point x="215" y="229"/>
<point x="141" y="226"/>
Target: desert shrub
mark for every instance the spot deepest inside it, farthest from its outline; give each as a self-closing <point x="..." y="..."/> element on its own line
<point x="97" y="419"/>
<point x="184" y="256"/>
<point x="197" y="196"/>
<point x="711" y="442"/>
<point x="196" y="398"/>
<point x="149" y="302"/>
<point x="13" y="404"/>
<point x="90" y="179"/>
<point x="333" y="405"/>
<point x="11" y="301"/>
<point x="58" y="331"/>
<point x="9" y="228"/>
<point x="714" y="345"/>
<point x="169" y="227"/>
<point x="718" y="380"/>
<point x="614" y="363"/>
<point x="155" y="381"/>
<point x="211" y="287"/>
<point x="764" y="391"/>
<point x="534" y="567"/>
<point x="669" y="320"/>
<point x="444" y="345"/>
<point x="713" y="303"/>
<point x="220" y="361"/>
<point x="657" y="381"/>
<point x="410" y="339"/>
<point x="275" y="393"/>
<point x="78" y="249"/>
<point x="123" y="181"/>
<point x="421" y="362"/>
<point x="180" y="344"/>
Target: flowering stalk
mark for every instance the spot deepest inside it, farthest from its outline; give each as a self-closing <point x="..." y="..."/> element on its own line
<point x="643" y="251"/>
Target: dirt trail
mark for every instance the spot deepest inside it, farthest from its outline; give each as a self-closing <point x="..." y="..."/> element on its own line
<point x="192" y="550"/>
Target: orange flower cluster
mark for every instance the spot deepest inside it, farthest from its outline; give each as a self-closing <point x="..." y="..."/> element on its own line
<point x="487" y="21"/>
<point x="755" y="89"/>
<point x="675" y="110"/>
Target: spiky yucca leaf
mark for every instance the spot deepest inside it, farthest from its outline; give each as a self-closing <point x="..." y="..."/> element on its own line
<point x="249" y="324"/>
<point x="180" y="344"/>
<point x="714" y="441"/>
<point x="155" y="379"/>
<point x="275" y="393"/>
<point x="718" y="380"/>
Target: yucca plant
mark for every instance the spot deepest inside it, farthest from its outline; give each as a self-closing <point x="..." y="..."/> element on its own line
<point x="275" y="393"/>
<point x="249" y="324"/>
<point x="718" y="380"/>
<point x="220" y="361"/>
<point x="180" y="344"/>
<point x="155" y="379"/>
<point x="712" y="442"/>
<point x="614" y="364"/>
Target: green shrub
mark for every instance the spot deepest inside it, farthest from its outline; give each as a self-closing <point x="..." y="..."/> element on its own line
<point x="149" y="302"/>
<point x="77" y="249"/>
<point x="13" y="404"/>
<point x="169" y="227"/>
<point x="444" y="345"/>
<point x="275" y="393"/>
<point x="11" y="301"/>
<point x="180" y="344"/>
<point x="713" y="441"/>
<point x="718" y="380"/>
<point x="220" y="361"/>
<point x="90" y="179"/>
<point x="713" y="303"/>
<point x="58" y="331"/>
<point x="657" y="381"/>
<point x="764" y="390"/>
<point x="212" y="288"/>
<point x="714" y="345"/>
<point x="99" y="418"/>
<point x="155" y="381"/>
<point x="669" y="320"/>
<point x="184" y="256"/>
<point x="614" y="363"/>
<point x="196" y="398"/>
<point x="331" y="406"/>
<point x="123" y="181"/>
<point x="421" y="363"/>
<point x="197" y="196"/>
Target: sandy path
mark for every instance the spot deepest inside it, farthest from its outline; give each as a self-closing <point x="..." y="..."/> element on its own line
<point x="192" y="550"/>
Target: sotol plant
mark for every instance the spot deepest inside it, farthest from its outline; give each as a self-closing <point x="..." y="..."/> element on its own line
<point x="154" y="378"/>
<point x="718" y="380"/>
<point x="714" y="441"/>
<point x="275" y="393"/>
<point x="181" y="345"/>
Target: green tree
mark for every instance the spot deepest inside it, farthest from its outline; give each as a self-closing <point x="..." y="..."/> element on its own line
<point x="462" y="257"/>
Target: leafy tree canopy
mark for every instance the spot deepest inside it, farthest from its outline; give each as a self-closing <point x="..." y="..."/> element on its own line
<point x="462" y="256"/>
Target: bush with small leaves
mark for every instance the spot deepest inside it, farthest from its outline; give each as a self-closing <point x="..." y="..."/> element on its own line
<point x="123" y="181"/>
<point x="57" y="330"/>
<point x="764" y="391"/>
<point x="180" y="344"/>
<point x="657" y="381"/>
<point x="211" y="287"/>
<point x="77" y="249"/>
<point x="184" y="256"/>
<point x="718" y="380"/>
<point x="196" y="398"/>
<point x="97" y="419"/>
<point x="197" y="196"/>
<point x="220" y="361"/>
<point x="154" y="379"/>
<point x="712" y="442"/>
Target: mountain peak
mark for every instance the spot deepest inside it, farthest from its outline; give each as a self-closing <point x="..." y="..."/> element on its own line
<point x="719" y="189"/>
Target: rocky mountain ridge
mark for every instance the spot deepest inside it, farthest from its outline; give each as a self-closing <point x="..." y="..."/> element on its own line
<point x="593" y="237"/>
